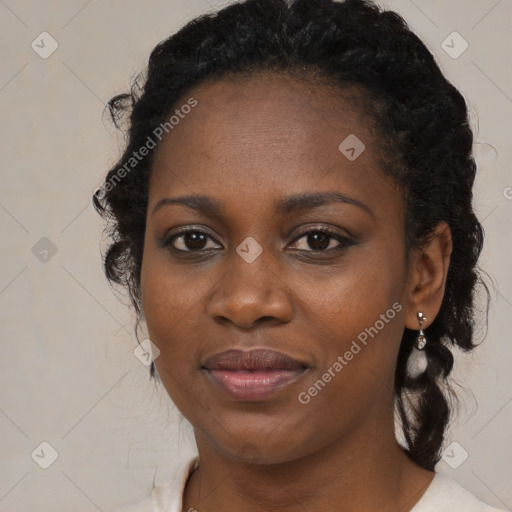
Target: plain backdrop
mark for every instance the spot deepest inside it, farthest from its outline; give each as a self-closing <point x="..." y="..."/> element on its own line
<point x="68" y="375"/>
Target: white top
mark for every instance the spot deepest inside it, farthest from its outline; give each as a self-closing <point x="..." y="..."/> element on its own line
<point x="442" y="495"/>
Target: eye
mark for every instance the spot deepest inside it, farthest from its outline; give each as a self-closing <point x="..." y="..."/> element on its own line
<point x="321" y="240"/>
<point x="318" y="240"/>
<point x="191" y="240"/>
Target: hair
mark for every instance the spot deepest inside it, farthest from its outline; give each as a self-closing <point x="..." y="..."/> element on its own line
<point x="420" y="116"/>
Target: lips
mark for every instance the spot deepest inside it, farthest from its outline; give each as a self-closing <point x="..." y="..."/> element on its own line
<point x="260" y="359"/>
<point x="254" y="374"/>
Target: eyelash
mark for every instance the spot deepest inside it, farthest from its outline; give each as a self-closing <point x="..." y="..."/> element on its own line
<point x="343" y="241"/>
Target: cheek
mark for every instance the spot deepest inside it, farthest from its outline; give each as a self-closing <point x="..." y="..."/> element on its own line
<point x="358" y="312"/>
<point x="168" y="310"/>
<point x="165" y="303"/>
<point x="353" y="297"/>
<point x="173" y="301"/>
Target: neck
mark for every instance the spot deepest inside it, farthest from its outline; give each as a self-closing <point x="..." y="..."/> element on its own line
<point x="369" y="471"/>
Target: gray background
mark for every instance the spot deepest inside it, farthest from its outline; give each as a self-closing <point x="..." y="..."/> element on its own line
<point x="68" y="375"/>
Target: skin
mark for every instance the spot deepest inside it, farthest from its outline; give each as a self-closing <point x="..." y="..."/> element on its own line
<point x="248" y="144"/>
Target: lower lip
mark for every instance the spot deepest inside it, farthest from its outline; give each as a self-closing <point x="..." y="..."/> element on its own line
<point x="253" y="385"/>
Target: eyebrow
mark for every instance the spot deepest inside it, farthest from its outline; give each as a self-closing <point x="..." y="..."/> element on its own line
<point x="286" y="206"/>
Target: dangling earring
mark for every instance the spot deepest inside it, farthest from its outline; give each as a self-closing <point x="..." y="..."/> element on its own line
<point x="421" y="340"/>
<point x="417" y="362"/>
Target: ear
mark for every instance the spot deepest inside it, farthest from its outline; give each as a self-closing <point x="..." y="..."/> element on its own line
<point x="428" y="269"/>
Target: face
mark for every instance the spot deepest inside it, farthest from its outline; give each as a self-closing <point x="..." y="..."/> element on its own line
<point x="276" y="299"/>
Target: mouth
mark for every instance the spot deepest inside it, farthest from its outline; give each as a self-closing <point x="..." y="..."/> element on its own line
<point x="252" y="375"/>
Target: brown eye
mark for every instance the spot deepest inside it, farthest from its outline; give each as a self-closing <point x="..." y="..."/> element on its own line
<point x="191" y="241"/>
<point x="318" y="241"/>
<point x="321" y="240"/>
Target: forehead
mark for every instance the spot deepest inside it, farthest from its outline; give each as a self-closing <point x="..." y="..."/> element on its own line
<point x="273" y="106"/>
<point x="265" y="136"/>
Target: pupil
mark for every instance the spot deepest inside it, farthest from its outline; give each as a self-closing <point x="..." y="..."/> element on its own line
<point x="195" y="240"/>
<point x="318" y="241"/>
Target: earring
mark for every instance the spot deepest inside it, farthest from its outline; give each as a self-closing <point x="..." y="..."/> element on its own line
<point x="421" y="340"/>
<point x="417" y="362"/>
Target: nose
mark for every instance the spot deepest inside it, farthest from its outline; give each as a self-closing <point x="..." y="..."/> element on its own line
<point x="251" y="294"/>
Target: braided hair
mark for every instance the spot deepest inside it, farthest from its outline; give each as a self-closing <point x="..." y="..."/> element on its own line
<point x="422" y="122"/>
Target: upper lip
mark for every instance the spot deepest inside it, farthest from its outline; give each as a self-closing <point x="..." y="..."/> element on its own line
<point x="256" y="359"/>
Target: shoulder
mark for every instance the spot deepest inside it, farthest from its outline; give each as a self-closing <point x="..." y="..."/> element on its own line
<point x="168" y="496"/>
<point x="446" y="495"/>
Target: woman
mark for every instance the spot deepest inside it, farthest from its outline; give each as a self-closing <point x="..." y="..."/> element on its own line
<point x="292" y="218"/>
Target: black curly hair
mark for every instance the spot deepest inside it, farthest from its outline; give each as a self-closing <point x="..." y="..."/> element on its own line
<point x="422" y="121"/>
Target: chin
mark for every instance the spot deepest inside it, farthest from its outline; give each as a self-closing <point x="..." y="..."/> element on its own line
<point x="254" y="443"/>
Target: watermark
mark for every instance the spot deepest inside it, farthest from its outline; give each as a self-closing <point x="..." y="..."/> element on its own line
<point x="455" y="455"/>
<point x="507" y="192"/>
<point x="249" y="249"/>
<point x="304" y="397"/>
<point x="44" y="45"/>
<point x="454" y="45"/>
<point x="44" y="250"/>
<point x="146" y="352"/>
<point x="352" y="147"/>
<point x="44" y="455"/>
<point x="143" y="151"/>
